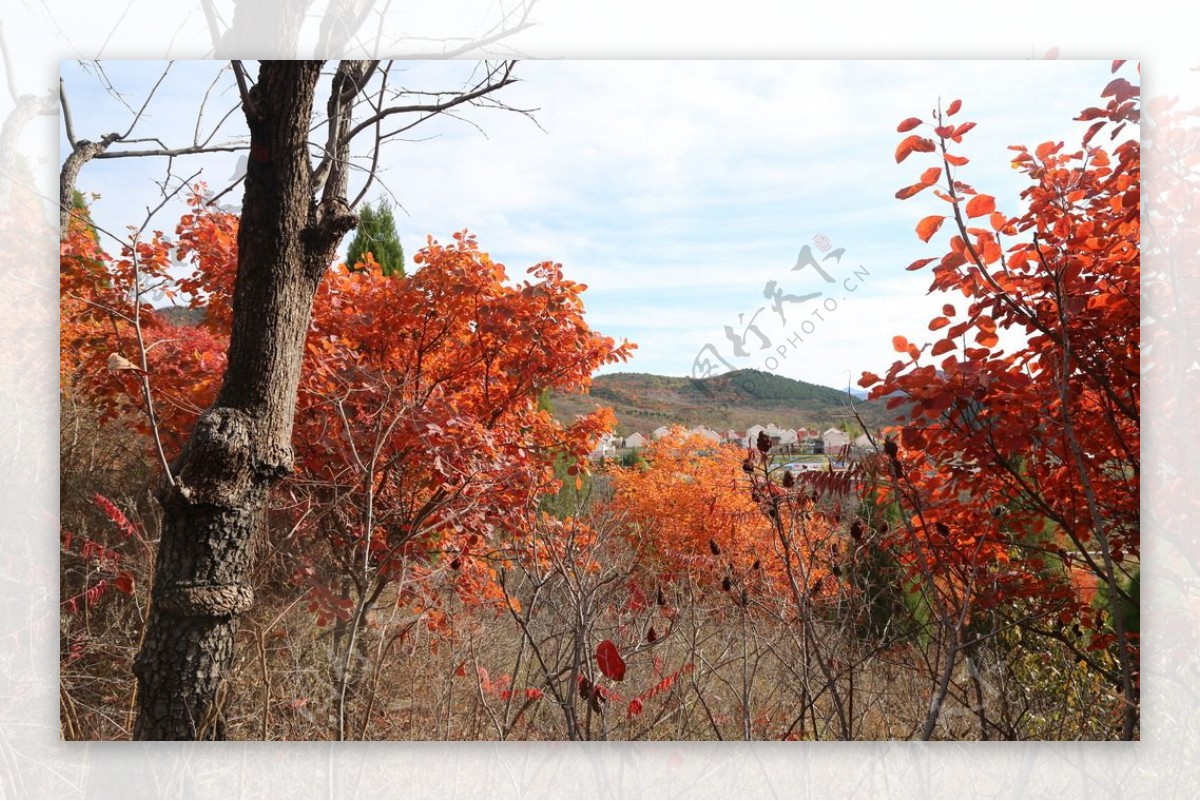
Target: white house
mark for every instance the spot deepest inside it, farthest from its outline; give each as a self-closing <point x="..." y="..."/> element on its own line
<point x="660" y="432"/>
<point x="834" y="440"/>
<point x="605" y="446"/>
<point x="863" y="443"/>
<point x="635" y="440"/>
<point x="706" y="432"/>
<point x="752" y="434"/>
<point x="782" y="436"/>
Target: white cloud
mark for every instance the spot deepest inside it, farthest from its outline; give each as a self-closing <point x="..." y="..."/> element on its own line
<point x="676" y="189"/>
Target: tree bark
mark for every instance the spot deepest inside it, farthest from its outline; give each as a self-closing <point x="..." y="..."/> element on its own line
<point x="242" y="445"/>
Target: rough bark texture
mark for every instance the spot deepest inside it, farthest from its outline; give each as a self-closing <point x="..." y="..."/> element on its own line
<point x="243" y="443"/>
<point x="81" y="153"/>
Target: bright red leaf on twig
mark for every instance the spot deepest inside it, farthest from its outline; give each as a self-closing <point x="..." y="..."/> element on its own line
<point x="609" y="660"/>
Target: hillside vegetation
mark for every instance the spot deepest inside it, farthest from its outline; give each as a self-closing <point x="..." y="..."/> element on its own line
<point x="735" y="400"/>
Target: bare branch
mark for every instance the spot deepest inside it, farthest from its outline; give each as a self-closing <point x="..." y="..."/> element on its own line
<point x="374" y="168"/>
<point x="243" y="90"/>
<point x="213" y="200"/>
<point x="150" y="96"/>
<point x="66" y="112"/>
<point x="348" y="81"/>
<point x="171" y="152"/>
<point x="489" y="84"/>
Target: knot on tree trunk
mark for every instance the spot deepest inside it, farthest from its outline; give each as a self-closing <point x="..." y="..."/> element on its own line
<point x="226" y="459"/>
<point x="331" y="220"/>
<point x="204" y="600"/>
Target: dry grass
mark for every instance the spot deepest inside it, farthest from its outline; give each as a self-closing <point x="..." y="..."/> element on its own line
<point x="715" y="670"/>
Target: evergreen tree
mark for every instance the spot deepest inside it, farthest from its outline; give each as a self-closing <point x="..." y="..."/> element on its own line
<point x="376" y="235"/>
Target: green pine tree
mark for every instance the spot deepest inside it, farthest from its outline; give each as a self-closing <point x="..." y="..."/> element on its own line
<point x="376" y="235"/>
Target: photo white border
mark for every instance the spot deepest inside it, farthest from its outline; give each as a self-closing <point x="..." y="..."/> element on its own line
<point x="34" y="763"/>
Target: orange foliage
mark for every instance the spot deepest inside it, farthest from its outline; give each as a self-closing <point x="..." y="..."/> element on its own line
<point x="420" y="448"/>
<point x="1022" y="462"/>
<point x="697" y="515"/>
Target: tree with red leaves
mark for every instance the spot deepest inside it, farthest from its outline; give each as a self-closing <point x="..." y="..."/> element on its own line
<point x="1018" y="462"/>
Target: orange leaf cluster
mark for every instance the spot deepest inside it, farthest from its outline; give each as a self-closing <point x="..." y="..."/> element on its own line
<point x="419" y="399"/>
<point x="1016" y="457"/>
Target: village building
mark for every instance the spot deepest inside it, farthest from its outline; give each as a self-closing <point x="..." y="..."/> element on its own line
<point x="834" y="440"/>
<point x="636" y="440"/>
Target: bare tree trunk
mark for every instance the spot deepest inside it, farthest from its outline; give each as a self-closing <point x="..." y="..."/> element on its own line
<point x="242" y="444"/>
<point x="281" y="21"/>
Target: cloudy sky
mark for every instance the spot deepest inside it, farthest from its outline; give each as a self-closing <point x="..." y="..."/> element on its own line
<point x="676" y="190"/>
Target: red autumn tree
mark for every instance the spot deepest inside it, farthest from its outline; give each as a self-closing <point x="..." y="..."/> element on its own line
<point x="421" y="449"/>
<point x="1018" y="462"/>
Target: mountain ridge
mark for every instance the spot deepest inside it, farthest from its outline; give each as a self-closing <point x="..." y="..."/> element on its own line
<point x="735" y="400"/>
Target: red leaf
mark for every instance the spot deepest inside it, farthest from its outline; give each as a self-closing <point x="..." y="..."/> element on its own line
<point x="1047" y="149"/>
<point x="115" y="515"/>
<point x="1093" y="130"/>
<point x="930" y="176"/>
<point x="900" y="344"/>
<point x="1120" y="90"/>
<point x="953" y="108"/>
<point x="929" y="226"/>
<point x="908" y="125"/>
<point x="987" y="338"/>
<point x="957" y="161"/>
<point x="962" y="129"/>
<point x="609" y="660"/>
<point x="911" y="144"/>
<point x="868" y="379"/>
<point x="938" y="322"/>
<point x="981" y="205"/>
<point x="124" y="583"/>
<point x="918" y="264"/>
<point x="942" y="346"/>
<point x="953" y="260"/>
<point x="909" y="191"/>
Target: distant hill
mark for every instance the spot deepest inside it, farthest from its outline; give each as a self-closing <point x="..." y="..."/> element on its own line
<point x="735" y="400"/>
<point x="180" y="315"/>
